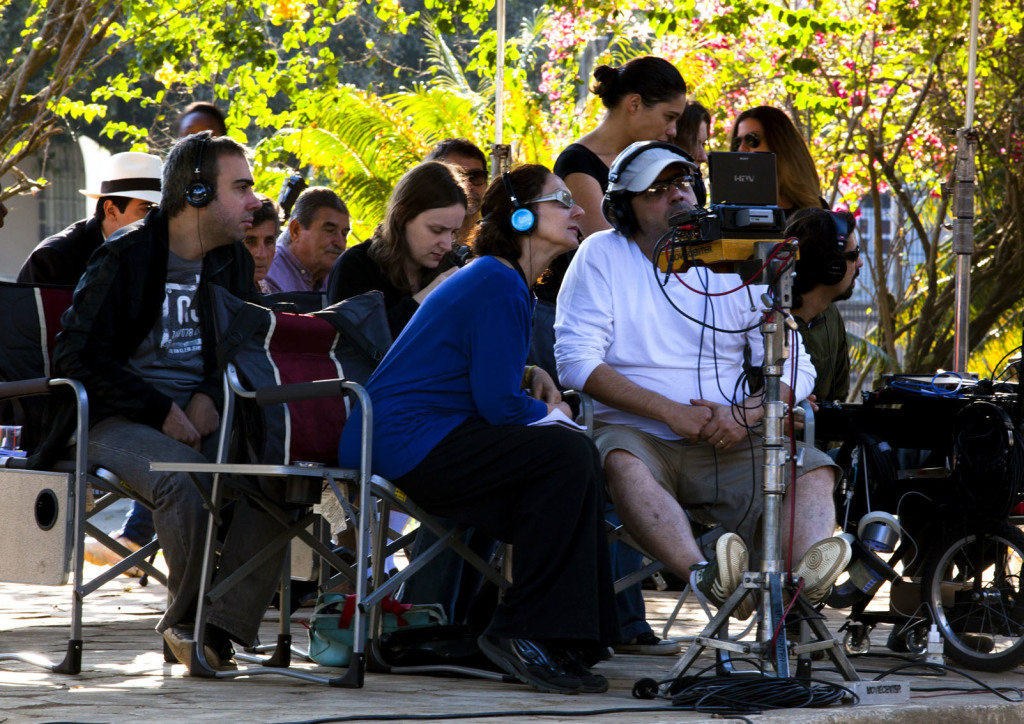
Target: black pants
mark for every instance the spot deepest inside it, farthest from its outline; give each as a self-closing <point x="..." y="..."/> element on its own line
<point x="542" y="490"/>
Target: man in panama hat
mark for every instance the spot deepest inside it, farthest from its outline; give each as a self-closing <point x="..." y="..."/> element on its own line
<point x="130" y="189"/>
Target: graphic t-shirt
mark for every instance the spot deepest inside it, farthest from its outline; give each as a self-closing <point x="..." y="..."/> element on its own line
<point x="171" y="357"/>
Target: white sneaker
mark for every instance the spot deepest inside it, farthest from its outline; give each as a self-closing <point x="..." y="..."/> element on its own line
<point x="715" y="581"/>
<point x="821" y="566"/>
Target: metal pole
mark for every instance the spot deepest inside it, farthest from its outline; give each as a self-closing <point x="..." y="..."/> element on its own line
<point x="500" y="154"/>
<point x="963" y="208"/>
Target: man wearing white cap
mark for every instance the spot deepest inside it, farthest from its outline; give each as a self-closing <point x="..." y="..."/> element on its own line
<point x="664" y="361"/>
<point x="130" y="189"/>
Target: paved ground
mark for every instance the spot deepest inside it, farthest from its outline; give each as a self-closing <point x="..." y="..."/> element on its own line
<point x="125" y="678"/>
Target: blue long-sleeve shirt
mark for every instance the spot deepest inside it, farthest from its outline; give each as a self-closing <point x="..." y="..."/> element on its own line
<point x="461" y="355"/>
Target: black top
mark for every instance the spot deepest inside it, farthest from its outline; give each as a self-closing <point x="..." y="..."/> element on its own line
<point x="62" y="258"/>
<point x="355" y="273"/>
<point x="580" y="159"/>
<point x="574" y="159"/>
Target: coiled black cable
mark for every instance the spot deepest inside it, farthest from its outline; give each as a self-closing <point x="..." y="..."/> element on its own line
<point x="753" y="694"/>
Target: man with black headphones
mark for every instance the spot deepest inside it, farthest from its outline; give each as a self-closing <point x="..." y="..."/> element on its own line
<point x="663" y="358"/>
<point x="826" y="272"/>
<point x="139" y="335"/>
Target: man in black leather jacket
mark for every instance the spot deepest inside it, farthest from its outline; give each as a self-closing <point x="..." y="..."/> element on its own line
<point x="139" y="336"/>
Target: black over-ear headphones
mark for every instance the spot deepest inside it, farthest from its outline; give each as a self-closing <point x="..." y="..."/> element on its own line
<point x="616" y="205"/>
<point x="523" y="220"/>
<point x="833" y="267"/>
<point x="198" y="193"/>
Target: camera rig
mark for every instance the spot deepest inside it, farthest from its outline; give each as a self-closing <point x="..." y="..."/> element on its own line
<point x="725" y="238"/>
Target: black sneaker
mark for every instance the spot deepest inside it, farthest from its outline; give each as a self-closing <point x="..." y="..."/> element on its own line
<point x="590" y="683"/>
<point x="531" y="662"/>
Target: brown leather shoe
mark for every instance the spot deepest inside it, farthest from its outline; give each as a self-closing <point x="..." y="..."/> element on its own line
<point x="99" y="555"/>
<point x="179" y="640"/>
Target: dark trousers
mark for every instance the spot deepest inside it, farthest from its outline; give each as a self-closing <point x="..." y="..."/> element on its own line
<point x="542" y="490"/>
<point x="448" y="579"/>
<point x="629" y="601"/>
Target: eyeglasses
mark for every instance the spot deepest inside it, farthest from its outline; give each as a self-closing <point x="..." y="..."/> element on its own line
<point x="655" y="190"/>
<point x="561" y="196"/>
<point x="753" y="140"/>
<point x="477" y="177"/>
<point x="852" y="255"/>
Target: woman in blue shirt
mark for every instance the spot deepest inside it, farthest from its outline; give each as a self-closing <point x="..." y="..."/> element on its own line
<point x="452" y="429"/>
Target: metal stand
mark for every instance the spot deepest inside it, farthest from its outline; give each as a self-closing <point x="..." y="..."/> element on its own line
<point x="772" y="579"/>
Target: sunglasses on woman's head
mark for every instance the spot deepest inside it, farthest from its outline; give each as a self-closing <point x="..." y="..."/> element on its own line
<point x="752" y="139"/>
<point x="561" y="196"/>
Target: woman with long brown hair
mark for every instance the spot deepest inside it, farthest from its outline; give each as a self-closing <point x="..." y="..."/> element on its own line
<point x="408" y="256"/>
<point x="765" y="129"/>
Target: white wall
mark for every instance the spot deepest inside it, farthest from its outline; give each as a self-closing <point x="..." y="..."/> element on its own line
<point x="29" y="220"/>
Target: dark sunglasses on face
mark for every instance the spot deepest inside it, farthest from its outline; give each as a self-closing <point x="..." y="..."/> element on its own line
<point x="655" y="190"/>
<point x="561" y="196"/>
<point x="477" y="178"/>
<point x="852" y="255"/>
<point x="753" y="140"/>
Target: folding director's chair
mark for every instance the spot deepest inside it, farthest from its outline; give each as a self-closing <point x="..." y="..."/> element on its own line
<point x="47" y="511"/>
<point x="287" y="395"/>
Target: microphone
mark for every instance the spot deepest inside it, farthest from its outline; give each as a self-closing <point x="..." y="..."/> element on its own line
<point x="290" y="190"/>
<point x="460" y="255"/>
<point x="688" y="214"/>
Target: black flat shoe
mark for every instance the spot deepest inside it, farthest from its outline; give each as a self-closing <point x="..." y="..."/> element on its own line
<point x="590" y="683"/>
<point x="531" y="662"/>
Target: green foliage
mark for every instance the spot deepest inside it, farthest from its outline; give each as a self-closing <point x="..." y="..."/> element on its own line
<point x="873" y="85"/>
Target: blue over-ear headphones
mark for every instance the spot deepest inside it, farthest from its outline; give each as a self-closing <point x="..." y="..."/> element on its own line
<point x="523" y="220"/>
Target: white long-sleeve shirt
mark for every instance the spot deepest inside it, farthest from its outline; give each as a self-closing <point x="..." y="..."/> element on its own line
<point x="611" y="310"/>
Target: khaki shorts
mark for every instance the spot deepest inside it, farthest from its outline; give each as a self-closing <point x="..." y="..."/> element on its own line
<point x="724" y="487"/>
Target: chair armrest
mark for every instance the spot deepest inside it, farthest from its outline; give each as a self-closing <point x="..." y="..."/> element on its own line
<point x="585" y="403"/>
<point x="24" y="388"/>
<point x="280" y="394"/>
<point x="808" y="421"/>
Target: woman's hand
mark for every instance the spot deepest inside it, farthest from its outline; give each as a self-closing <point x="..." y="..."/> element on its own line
<point x="563" y="406"/>
<point x="542" y="387"/>
<point x="422" y="294"/>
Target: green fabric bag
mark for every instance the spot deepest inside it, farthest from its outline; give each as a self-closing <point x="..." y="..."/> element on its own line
<point x="330" y="626"/>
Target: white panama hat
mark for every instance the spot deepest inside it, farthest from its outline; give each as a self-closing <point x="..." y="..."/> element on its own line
<point x="131" y="174"/>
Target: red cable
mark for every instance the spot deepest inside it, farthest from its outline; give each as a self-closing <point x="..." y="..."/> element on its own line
<point x="782" y="621"/>
<point x="748" y="282"/>
<point x="792" y="453"/>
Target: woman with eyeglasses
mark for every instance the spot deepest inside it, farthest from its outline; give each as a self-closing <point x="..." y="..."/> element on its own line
<point x="765" y="129"/>
<point x="409" y="254"/>
<point x="456" y="430"/>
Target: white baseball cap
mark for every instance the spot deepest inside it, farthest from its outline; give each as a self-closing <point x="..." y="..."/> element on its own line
<point x="134" y="175"/>
<point x="644" y="166"/>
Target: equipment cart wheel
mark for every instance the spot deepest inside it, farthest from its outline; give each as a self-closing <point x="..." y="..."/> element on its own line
<point x="973" y="589"/>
